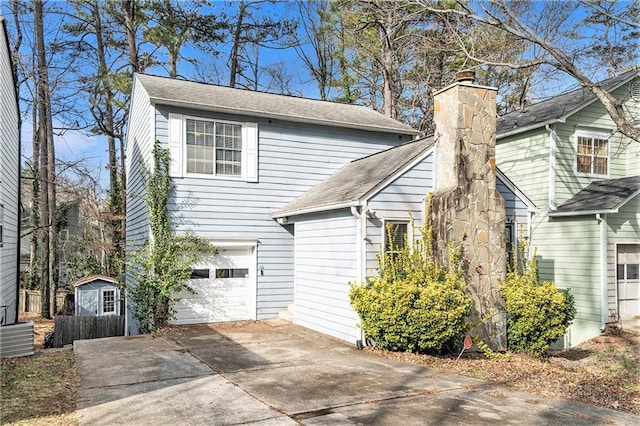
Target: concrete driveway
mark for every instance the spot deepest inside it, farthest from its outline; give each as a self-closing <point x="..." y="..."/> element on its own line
<point x="275" y="373"/>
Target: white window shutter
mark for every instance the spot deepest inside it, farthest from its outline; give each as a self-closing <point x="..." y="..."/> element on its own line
<point x="175" y="144"/>
<point x="250" y="151"/>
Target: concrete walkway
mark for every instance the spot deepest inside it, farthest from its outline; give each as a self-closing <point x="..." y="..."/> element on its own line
<point x="275" y="373"/>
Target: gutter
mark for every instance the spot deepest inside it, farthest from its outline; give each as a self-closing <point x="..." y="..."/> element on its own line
<point x="286" y="214"/>
<point x="553" y="145"/>
<point x="582" y="213"/>
<point x="361" y="233"/>
<point x="602" y="221"/>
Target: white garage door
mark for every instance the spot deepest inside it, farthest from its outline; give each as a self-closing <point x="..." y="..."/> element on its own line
<point x="224" y="289"/>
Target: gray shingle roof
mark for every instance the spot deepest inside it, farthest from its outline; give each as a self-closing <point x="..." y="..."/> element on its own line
<point x="167" y="91"/>
<point x="601" y="197"/>
<point x="356" y="179"/>
<point x="537" y="115"/>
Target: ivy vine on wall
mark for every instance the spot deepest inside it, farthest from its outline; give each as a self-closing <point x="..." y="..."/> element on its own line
<point x="162" y="266"/>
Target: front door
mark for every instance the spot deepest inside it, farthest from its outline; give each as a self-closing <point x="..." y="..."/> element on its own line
<point x="627" y="276"/>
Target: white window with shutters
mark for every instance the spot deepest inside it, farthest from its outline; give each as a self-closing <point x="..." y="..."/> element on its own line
<point x="201" y="147"/>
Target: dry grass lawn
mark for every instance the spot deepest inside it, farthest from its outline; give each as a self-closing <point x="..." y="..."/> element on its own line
<point x="41" y="389"/>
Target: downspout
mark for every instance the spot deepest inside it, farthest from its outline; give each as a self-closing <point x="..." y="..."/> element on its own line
<point x="602" y="221"/>
<point x="553" y="145"/>
<point x="361" y="217"/>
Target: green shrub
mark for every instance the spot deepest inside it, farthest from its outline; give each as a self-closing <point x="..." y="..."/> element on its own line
<point x="539" y="313"/>
<point x="413" y="304"/>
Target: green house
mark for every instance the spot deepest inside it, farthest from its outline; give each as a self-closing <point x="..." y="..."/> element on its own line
<point x="584" y="178"/>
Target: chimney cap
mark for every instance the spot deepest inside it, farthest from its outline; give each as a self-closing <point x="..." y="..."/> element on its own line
<point x="468" y="75"/>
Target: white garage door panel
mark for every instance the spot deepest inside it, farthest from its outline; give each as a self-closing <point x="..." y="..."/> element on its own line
<point x="220" y="299"/>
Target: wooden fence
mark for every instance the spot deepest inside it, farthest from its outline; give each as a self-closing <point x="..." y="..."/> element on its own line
<point x="69" y="328"/>
<point x="30" y="300"/>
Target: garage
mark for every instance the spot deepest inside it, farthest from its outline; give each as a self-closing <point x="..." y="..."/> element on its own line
<point x="225" y="289"/>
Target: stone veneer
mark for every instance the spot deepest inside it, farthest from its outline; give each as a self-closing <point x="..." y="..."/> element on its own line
<point x="466" y="206"/>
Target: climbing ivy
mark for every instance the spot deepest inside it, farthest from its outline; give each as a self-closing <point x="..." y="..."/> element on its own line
<point x="162" y="266"/>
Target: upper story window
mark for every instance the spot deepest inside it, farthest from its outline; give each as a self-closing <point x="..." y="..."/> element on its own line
<point x="201" y="147"/>
<point x="592" y="154"/>
<point x="214" y="148"/>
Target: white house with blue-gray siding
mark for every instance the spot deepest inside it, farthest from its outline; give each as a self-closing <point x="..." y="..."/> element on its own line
<point x="295" y="193"/>
<point x="238" y="156"/>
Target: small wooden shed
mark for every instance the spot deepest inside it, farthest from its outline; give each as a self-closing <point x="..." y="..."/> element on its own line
<point x="96" y="295"/>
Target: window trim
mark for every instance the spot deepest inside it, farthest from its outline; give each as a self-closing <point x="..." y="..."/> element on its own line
<point x="385" y="222"/>
<point x="243" y="159"/>
<point x="593" y="134"/>
<point x="115" y="301"/>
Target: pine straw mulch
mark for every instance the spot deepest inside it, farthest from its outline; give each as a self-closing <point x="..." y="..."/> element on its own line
<point x="604" y="371"/>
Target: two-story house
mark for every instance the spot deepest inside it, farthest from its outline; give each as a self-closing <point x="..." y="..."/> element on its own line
<point x="584" y="178"/>
<point x="295" y="193"/>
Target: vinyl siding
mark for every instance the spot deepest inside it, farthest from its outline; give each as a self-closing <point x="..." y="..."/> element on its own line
<point x="524" y="159"/>
<point x="623" y="228"/>
<point x="326" y="261"/>
<point x="95" y="286"/>
<point x="291" y="159"/>
<point x="404" y="195"/>
<point x="515" y="208"/>
<point x="9" y="177"/>
<point x="568" y="249"/>
<point x="139" y="147"/>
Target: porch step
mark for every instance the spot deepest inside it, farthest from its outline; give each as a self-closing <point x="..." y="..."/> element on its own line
<point x="288" y="314"/>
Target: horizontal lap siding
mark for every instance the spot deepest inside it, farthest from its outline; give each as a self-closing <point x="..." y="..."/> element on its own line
<point x="515" y="209"/>
<point x="623" y="228"/>
<point x="326" y="261"/>
<point x="9" y="175"/>
<point x="568" y="252"/>
<point x="404" y="195"/>
<point x="524" y="159"/>
<point x="292" y="158"/>
<point x="139" y="145"/>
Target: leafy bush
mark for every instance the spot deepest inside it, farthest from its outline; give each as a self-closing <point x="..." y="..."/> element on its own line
<point x="413" y="304"/>
<point x="539" y="313"/>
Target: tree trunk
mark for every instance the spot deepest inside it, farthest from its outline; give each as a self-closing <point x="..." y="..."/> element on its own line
<point x="42" y="83"/>
<point x="388" y="88"/>
<point x="128" y="7"/>
<point x="115" y="196"/>
<point x="236" y="45"/>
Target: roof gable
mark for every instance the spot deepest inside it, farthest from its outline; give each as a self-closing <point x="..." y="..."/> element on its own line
<point x="557" y="108"/>
<point x="188" y="94"/>
<point x="93" y="278"/>
<point x="359" y="179"/>
<point x="605" y="196"/>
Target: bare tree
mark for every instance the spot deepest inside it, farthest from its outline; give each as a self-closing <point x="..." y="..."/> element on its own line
<point x="250" y="32"/>
<point x="550" y="30"/>
<point x="46" y="175"/>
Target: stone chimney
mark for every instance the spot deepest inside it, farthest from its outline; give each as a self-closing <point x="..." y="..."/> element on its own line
<point x="467" y="209"/>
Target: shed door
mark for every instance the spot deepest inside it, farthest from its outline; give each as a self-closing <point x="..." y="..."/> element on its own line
<point x="628" y="266"/>
<point x="88" y="303"/>
<point x="224" y="289"/>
